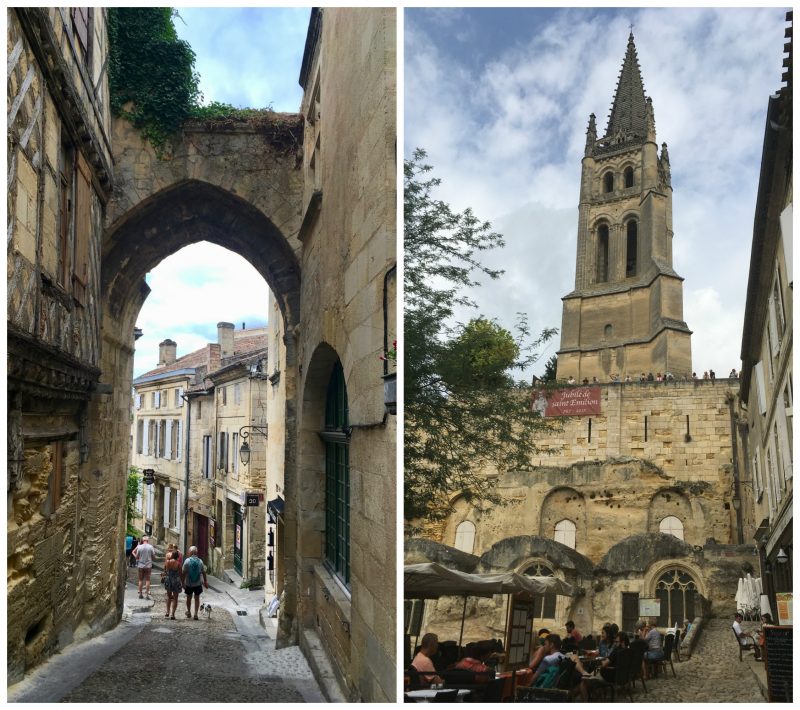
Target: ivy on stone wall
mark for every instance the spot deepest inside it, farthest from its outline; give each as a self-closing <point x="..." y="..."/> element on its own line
<point x="152" y="79"/>
<point x="151" y="73"/>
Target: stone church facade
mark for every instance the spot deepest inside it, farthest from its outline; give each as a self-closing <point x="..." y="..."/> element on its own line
<point x="632" y="499"/>
<point x="92" y="209"/>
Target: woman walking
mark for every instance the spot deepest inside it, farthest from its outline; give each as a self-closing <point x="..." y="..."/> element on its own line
<point x="173" y="583"/>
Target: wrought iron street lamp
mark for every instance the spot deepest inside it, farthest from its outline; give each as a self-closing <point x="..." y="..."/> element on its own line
<point x="244" y="450"/>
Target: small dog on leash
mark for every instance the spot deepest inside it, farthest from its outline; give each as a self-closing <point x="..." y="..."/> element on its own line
<point x="206" y="609"/>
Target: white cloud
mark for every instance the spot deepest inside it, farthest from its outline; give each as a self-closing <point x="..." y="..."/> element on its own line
<point x="193" y="290"/>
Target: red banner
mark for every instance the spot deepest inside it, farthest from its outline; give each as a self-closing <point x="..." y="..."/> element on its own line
<point x="568" y="402"/>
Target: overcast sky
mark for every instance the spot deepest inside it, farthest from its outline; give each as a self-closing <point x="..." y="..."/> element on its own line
<point x="500" y="100"/>
<point x="247" y="57"/>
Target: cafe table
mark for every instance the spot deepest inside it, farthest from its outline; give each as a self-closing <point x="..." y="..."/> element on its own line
<point x="426" y="695"/>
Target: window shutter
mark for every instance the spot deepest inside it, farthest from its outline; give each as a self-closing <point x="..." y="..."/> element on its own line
<point x="178" y="444"/>
<point x="168" y="440"/>
<point x="180" y="396"/>
<point x="83" y="229"/>
<point x="166" y="506"/>
<point x="150" y="496"/>
<point x="145" y="438"/>
<point x="774" y="340"/>
<point x="762" y="395"/>
<point x="226" y="451"/>
<point x="178" y="510"/>
<point x="786" y="240"/>
<point x="138" y="401"/>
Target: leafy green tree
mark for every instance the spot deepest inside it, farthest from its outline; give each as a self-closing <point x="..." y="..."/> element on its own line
<point x="550" y="369"/>
<point x="463" y="413"/>
<point x="131" y="492"/>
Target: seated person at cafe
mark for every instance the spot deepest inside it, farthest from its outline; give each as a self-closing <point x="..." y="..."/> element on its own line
<point x="746" y="639"/>
<point x="475" y="655"/>
<point x="538" y="650"/>
<point x="606" y="642"/>
<point x="572" y="632"/>
<point x="553" y="657"/>
<point x="423" y="663"/>
<point x="652" y="636"/>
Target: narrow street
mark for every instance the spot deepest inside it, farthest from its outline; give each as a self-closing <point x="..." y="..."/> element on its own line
<point x="228" y="657"/>
<point x="713" y="674"/>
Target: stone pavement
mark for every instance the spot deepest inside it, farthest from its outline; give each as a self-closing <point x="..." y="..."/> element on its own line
<point x="713" y="674"/>
<point x="228" y="657"/>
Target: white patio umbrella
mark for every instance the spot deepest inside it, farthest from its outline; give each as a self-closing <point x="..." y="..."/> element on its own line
<point x="740" y="595"/>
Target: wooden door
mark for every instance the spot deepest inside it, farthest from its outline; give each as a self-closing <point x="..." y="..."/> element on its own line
<point x="630" y="610"/>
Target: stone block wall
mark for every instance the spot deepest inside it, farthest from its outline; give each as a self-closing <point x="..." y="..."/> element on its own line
<point x="347" y="251"/>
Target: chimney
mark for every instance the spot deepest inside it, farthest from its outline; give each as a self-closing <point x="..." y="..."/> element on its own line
<point x="167" y="351"/>
<point x="225" y="339"/>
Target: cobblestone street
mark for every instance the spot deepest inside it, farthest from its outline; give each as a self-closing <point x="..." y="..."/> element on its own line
<point x="713" y="674"/>
<point x="228" y="657"/>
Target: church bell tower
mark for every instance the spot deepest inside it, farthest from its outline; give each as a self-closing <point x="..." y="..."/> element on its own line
<point x="625" y="315"/>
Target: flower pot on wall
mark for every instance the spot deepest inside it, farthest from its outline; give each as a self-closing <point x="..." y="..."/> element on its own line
<point x="390" y="392"/>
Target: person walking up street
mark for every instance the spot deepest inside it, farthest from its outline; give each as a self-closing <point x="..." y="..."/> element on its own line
<point x="173" y="583"/>
<point x="191" y="573"/>
<point x="144" y="561"/>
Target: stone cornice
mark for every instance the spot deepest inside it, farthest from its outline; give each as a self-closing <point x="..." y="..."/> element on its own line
<point x="38" y="369"/>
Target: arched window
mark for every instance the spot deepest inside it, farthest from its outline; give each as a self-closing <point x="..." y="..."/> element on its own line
<point x="671" y="526"/>
<point x="465" y="537"/>
<point x="337" y="477"/>
<point x="630" y="254"/>
<point x="602" y="253"/>
<point x="628" y="176"/>
<point x="543" y="607"/>
<point x="565" y="533"/>
<point x="608" y="331"/>
<point x="676" y="589"/>
<point x="608" y="182"/>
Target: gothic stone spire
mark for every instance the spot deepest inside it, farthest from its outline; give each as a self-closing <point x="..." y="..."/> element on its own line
<point x="628" y="117"/>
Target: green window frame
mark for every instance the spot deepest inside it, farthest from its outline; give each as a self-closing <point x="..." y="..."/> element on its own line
<point x="337" y="478"/>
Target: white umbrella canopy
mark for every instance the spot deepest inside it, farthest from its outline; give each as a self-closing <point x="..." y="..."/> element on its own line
<point x="430" y="580"/>
<point x="740" y="599"/>
<point x="515" y="582"/>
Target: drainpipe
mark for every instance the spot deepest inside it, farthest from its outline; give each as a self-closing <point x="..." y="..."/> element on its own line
<point x="737" y="494"/>
<point x="184" y="531"/>
<point x="393" y="270"/>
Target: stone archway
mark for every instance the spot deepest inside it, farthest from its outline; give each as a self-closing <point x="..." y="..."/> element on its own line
<point x="251" y="206"/>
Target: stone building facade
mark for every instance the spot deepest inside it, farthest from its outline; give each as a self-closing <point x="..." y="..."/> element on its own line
<point x="211" y="393"/>
<point x="255" y="187"/>
<point x="63" y="575"/>
<point x="632" y="497"/>
<point x="343" y="515"/>
<point x="764" y="491"/>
